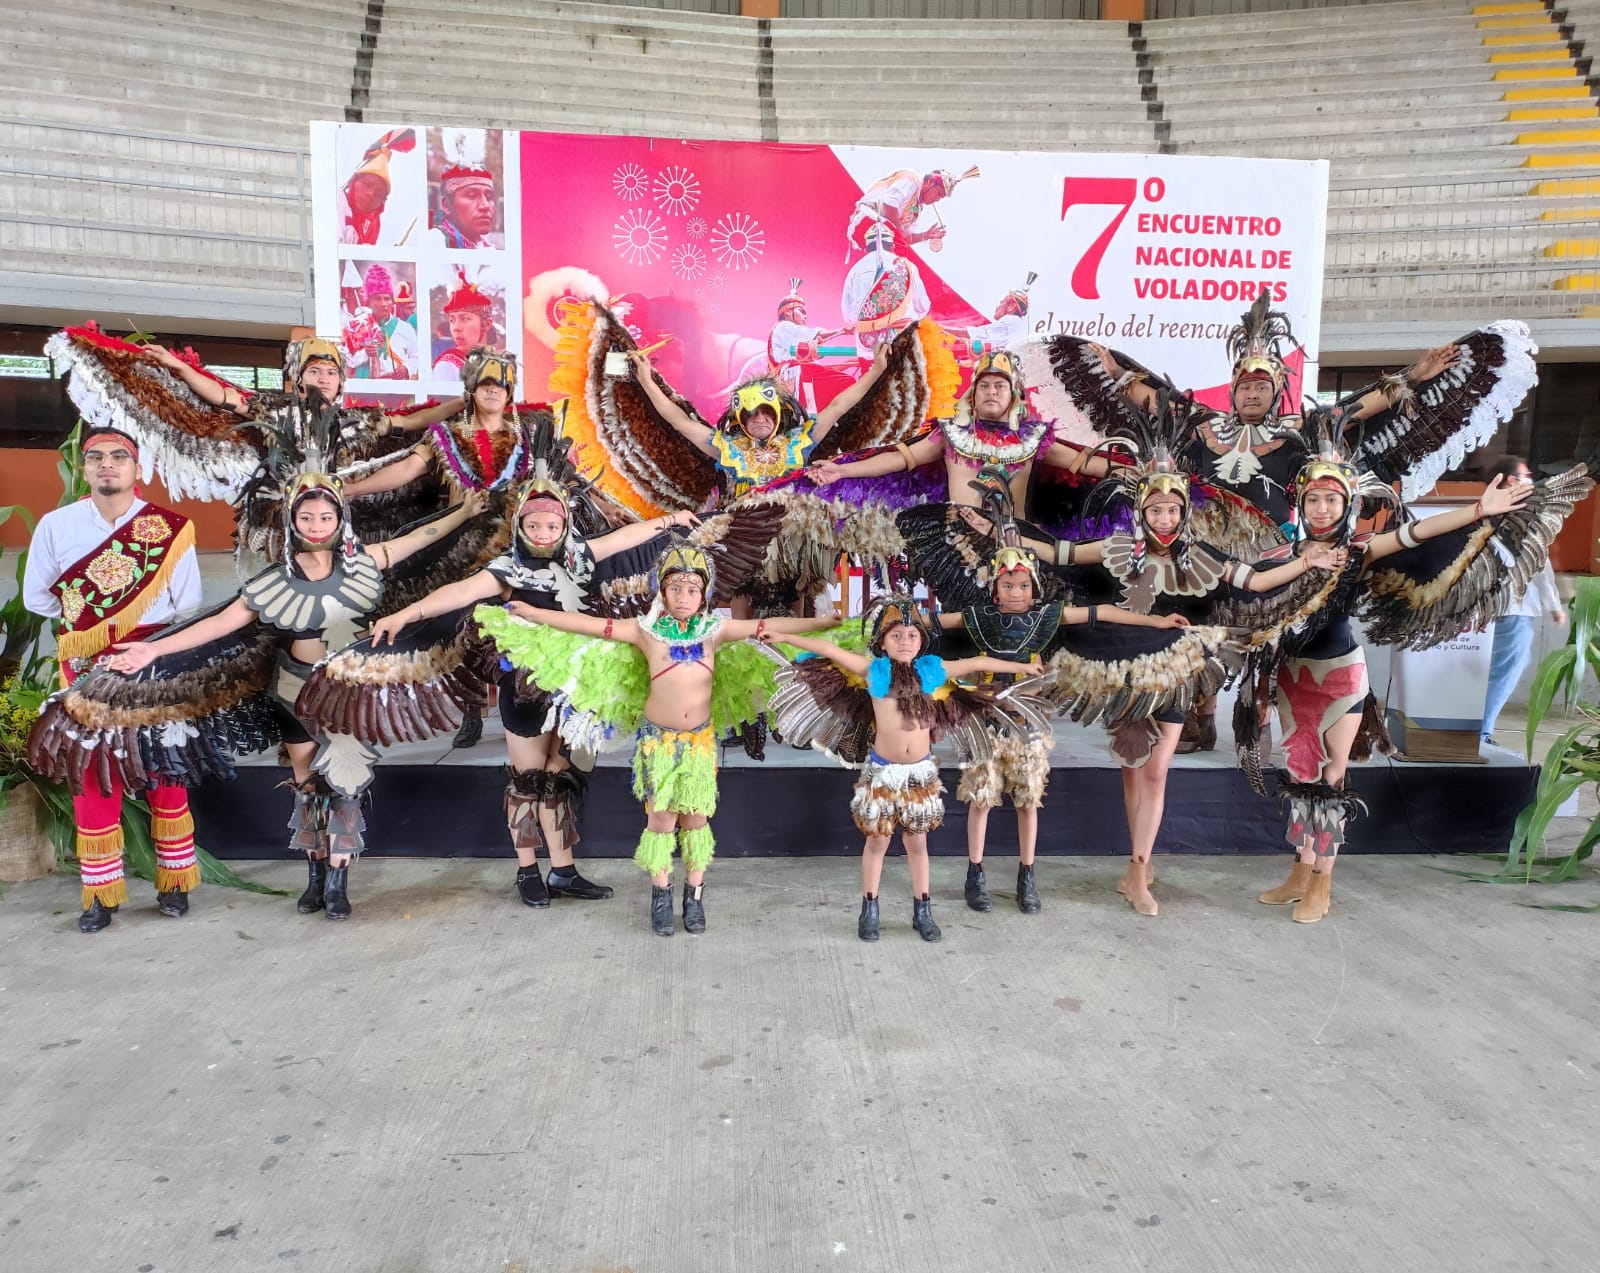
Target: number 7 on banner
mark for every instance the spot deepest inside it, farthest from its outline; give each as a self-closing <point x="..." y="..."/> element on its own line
<point x="1117" y="192"/>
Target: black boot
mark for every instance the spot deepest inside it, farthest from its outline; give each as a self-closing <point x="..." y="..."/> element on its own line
<point x="694" y="909"/>
<point x="977" y="887"/>
<point x="922" y="919"/>
<point x="1027" y="892"/>
<point x="471" y="730"/>
<point x="311" y="900"/>
<point x="530" y="886"/>
<point x="335" y="904"/>
<point x="95" y="918"/>
<point x="867" y="925"/>
<point x="662" y="921"/>
<point x="174" y="902"/>
<point x="565" y="881"/>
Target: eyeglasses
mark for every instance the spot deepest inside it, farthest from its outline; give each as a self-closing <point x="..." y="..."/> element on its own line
<point x="118" y="457"/>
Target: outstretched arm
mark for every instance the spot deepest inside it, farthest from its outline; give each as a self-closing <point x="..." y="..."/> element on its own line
<point x="389" y="478"/>
<point x="1424" y="369"/>
<point x="1134" y="389"/>
<point x="958" y="668"/>
<point x="830" y="414"/>
<point x="631" y="536"/>
<point x="951" y="619"/>
<point x="1075" y="459"/>
<point x="847" y="659"/>
<point x="742" y="629"/>
<point x="395" y="550"/>
<point x="900" y="460"/>
<point x="1116" y="614"/>
<point x="699" y="435"/>
<point x="1315" y="557"/>
<point x="1067" y="552"/>
<point x="583" y="624"/>
<point x="136" y="655"/>
<point x="1497" y="499"/>
<point x="418" y="420"/>
<point x="200" y="384"/>
<point x="463" y="592"/>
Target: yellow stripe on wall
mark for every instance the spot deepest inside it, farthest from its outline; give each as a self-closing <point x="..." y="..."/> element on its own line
<point x="1537" y="35"/>
<point x="1552" y="93"/>
<point x="1533" y="113"/>
<point x="1566" y="159"/>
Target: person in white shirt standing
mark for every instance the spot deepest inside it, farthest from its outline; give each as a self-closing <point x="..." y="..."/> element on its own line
<point x="1513" y="632"/>
<point x="108" y="569"/>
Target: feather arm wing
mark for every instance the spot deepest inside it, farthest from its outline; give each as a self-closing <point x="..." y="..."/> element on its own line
<point x="742" y="684"/>
<point x="199" y="451"/>
<point x="1120" y="674"/>
<point x="919" y="384"/>
<point x="600" y="685"/>
<point x="650" y="467"/>
<point x="739" y="539"/>
<point x="1231" y="523"/>
<point x="416" y="688"/>
<point x="1069" y="383"/>
<point x="181" y="720"/>
<point x="1433" y="427"/>
<point x="1420" y="596"/>
<point x="815" y="702"/>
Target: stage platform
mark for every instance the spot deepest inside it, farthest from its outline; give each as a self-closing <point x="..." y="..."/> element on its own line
<point x="434" y="802"/>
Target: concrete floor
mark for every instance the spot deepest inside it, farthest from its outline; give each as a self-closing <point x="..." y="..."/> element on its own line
<point x="453" y="1082"/>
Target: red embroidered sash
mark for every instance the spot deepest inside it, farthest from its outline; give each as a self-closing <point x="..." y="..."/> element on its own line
<point x="106" y="592"/>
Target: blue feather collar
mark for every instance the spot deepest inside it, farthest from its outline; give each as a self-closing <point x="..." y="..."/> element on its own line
<point x="929" y="668"/>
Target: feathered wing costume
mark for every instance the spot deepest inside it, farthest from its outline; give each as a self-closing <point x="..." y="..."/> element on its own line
<point x="1424" y="593"/>
<point x="651" y="468"/>
<point x="817" y="702"/>
<point x="419" y="686"/>
<point x="1422" y="431"/>
<point x="187" y="715"/>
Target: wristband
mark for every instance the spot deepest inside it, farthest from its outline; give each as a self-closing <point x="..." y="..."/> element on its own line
<point x="905" y="455"/>
<point x="1094" y="615"/>
<point x="607" y="633"/>
<point x="761" y="629"/>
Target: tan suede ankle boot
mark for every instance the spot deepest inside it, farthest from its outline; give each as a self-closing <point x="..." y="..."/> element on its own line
<point x="1319" y="895"/>
<point x="1292" y="889"/>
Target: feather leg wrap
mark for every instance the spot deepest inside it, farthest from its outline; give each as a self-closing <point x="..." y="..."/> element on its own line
<point x="699" y="847"/>
<point x="524" y="790"/>
<point x="654" y="854"/>
<point x="1317" y="812"/>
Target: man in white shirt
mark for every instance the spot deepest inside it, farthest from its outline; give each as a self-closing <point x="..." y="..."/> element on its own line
<point x="112" y="568"/>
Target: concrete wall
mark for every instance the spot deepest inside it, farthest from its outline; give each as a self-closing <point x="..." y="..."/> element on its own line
<point x="941" y="8"/>
<point x="1210" y="8"/>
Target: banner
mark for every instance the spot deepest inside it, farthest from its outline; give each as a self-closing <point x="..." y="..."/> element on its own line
<point x="753" y="256"/>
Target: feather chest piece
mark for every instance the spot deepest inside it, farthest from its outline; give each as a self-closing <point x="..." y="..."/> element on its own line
<point x="479" y="460"/>
<point x="929" y="670"/>
<point x="978" y="443"/>
<point x="334" y="608"/>
<point x="685" y="642"/>
<point x="1018" y="637"/>
<point x="1159" y="575"/>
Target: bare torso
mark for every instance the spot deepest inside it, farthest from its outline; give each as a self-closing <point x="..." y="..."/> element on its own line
<point x="895" y="740"/>
<point x="680" y="691"/>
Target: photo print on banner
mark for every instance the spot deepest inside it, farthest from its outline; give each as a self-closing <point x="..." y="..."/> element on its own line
<point x="466" y="189"/>
<point x="382" y="199"/>
<point x="468" y="303"/>
<point x="378" y="320"/>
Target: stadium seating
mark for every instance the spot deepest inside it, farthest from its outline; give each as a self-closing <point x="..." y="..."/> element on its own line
<point x="162" y="148"/>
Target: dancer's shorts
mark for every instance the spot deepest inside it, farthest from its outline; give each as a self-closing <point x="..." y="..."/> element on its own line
<point x="889" y="796"/>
